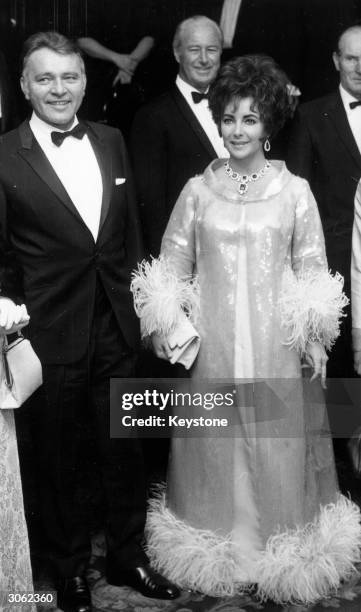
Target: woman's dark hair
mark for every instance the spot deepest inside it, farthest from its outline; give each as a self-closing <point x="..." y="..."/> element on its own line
<point x="257" y="77"/>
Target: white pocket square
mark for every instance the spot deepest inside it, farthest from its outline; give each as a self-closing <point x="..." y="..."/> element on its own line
<point x="120" y="181"/>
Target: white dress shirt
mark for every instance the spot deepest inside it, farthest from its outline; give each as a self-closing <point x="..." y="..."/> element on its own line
<point x="228" y="23"/>
<point x="204" y="116"/>
<point x="353" y="115"/>
<point x="77" y="167"/>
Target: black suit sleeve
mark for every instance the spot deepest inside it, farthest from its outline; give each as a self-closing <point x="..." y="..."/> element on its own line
<point x="300" y="156"/>
<point x="133" y="238"/>
<point x="10" y="269"/>
<point x="149" y="156"/>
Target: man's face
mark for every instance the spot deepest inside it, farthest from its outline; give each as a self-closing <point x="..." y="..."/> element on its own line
<point x="348" y="61"/>
<point x="55" y="85"/>
<point x="198" y="55"/>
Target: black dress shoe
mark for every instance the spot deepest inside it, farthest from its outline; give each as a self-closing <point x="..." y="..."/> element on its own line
<point x="146" y="581"/>
<point x="74" y="595"/>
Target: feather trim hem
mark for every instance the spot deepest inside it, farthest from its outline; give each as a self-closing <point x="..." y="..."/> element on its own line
<point x="311" y="306"/>
<point x="302" y="565"/>
<point x="161" y="298"/>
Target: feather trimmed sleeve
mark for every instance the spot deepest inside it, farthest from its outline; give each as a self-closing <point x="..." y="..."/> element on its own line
<point x="166" y="288"/>
<point x="312" y="299"/>
<point x="161" y="298"/>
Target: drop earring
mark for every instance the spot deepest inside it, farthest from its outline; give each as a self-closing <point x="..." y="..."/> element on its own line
<point x="267" y="145"/>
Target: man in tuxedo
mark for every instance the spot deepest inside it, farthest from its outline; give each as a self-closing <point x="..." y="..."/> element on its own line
<point x="68" y="213"/>
<point x="174" y="137"/>
<point x="325" y="148"/>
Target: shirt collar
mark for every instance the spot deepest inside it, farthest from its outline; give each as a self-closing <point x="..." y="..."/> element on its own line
<point x="346" y="97"/>
<point x="185" y="88"/>
<point x="43" y="130"/>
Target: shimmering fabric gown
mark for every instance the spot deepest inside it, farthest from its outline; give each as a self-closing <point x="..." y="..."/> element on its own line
<point x="262" y="507"/>
<point x="15" y="568"/>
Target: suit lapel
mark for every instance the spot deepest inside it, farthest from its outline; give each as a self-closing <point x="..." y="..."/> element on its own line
<point x="103" y="155"/>
<point x="33" y="154"/>
<point x="190" y="117"/>
<point x="337" y="114"/>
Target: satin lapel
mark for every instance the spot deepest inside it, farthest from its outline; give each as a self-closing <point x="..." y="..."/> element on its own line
<point x="33" y="154"/>
<point x="337" y="114"/>
<point x="188" y="114"/>
<point x="104" y="159"/>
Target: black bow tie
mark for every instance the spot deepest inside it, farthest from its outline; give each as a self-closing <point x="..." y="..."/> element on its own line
<point x="78" y="132"/>
<point x="354" y="104"/>
<point x="198" y="97"/>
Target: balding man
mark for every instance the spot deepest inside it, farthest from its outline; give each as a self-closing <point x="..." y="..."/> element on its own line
<point x="325" y="148"/>
<point x="174" y="137"/>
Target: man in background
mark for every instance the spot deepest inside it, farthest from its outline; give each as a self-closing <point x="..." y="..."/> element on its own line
<point x="325" y="148"/>
<point x="174" y="137"/>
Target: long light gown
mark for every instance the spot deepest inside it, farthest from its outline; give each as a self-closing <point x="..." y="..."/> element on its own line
<point x="15" y="567"/>
<point x="262" y="507"/>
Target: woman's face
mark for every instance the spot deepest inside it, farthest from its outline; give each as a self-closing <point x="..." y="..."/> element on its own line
<point x="242" y="130"/>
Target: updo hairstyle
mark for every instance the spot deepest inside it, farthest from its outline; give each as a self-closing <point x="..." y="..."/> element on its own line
<point x="257" y="77"/>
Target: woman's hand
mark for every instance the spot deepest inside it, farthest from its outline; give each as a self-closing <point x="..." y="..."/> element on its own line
<point x="12" y="317"/>
<point x="160" y="346"/>
<point x="124" y="62"/>
<point x="317" y="359"/>
<point x="122" y="77"/>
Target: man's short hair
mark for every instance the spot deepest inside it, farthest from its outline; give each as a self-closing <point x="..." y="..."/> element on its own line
<point x="196" y="19"/>
<point x="49" y="40"/>
<point x="355" y="26"/>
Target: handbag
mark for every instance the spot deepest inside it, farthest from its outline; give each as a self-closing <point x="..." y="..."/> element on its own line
<point x="184" y="342"/>
<point x="21" y="372"/>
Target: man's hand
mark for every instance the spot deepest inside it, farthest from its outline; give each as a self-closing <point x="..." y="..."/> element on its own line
<point x="12" y="317"/>
<point x="316" y="358"/>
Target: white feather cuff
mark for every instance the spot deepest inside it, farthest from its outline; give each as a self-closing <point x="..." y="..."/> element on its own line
<point x="161" y="298"/>
<point x="311" y="306"/>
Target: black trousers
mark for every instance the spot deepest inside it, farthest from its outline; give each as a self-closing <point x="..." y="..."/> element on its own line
<point x="70" y="394"/>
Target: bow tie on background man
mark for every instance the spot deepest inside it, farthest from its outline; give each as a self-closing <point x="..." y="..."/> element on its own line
<point x="78" y="132"/>
<point x="198" y="97"/>
<point x="354" y="104"/>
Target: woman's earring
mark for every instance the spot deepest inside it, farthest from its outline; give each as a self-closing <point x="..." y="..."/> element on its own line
<point x="267" y="145"/>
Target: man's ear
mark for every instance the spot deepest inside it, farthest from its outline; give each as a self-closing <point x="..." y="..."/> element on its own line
<point x="84" y="82"/>
<point x="336" y="60"/>
<point x="176" y="54"/>
<point x="24" y="86"/>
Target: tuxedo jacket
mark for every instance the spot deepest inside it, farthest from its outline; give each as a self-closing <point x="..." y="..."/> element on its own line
<point x="322" y="149"/>
<point x="168" y="147"/>
<point x="59" y="260"/>
<point x="9" y="115"/>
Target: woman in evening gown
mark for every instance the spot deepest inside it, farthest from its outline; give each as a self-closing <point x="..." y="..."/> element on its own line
<point x="262" y="507"/>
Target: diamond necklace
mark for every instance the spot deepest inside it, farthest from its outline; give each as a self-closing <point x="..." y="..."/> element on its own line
<point x="243" y="179"/>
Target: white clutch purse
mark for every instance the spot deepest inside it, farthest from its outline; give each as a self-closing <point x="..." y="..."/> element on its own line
<point x="21" y="372"/>
<point x="184" y="342"/>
